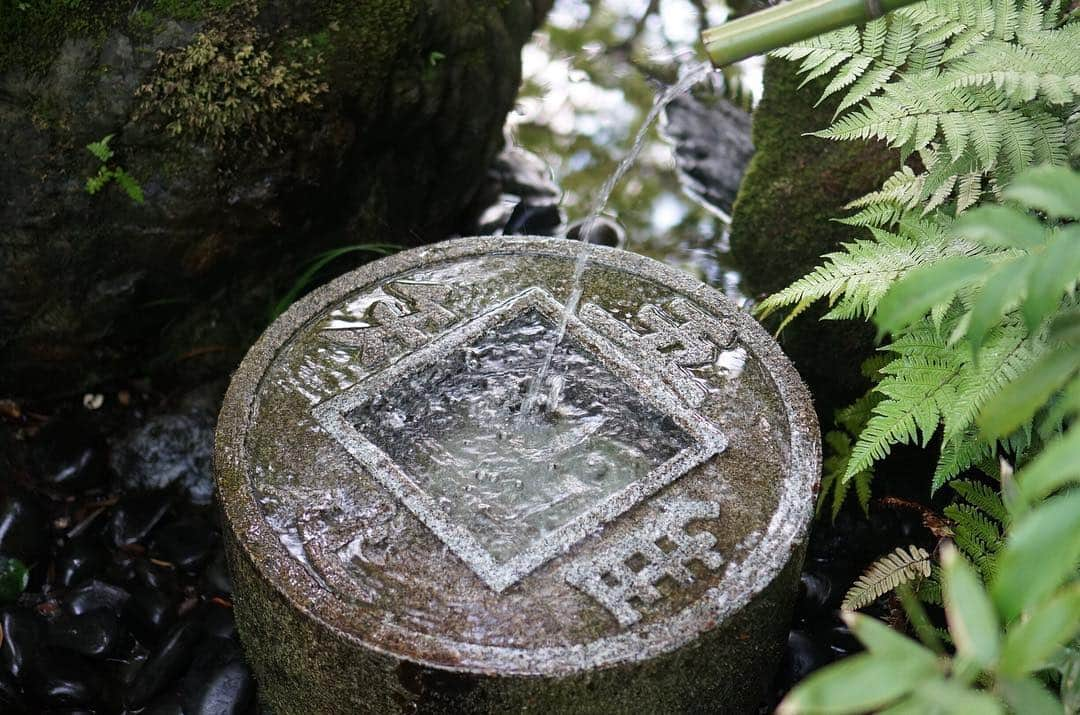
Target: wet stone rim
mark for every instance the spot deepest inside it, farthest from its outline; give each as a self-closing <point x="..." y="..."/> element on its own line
<point x="741" y="581"/>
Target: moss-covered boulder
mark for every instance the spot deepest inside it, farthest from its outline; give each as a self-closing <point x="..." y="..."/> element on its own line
<point x="782" y="223"/>
<point x="246" y="136"/>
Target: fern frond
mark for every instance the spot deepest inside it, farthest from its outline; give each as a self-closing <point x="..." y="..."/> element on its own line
<point x="982" y="497"/>
<point x="885" y="574"/>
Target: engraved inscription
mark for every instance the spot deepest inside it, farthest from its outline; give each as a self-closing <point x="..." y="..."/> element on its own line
<point x="405" y="319"/>
<point x="661" y="548"/>
<point x="676" y="339"/>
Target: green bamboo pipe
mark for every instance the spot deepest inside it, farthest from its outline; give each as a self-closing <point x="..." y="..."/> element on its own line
<point x="787" y="24"/>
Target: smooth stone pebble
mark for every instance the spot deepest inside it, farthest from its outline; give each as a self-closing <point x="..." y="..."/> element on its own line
<point x="165" y="664"/>
<point x="815" y="592"/>
<point x="22" y="641"/>
<point x="165" y="705"/>
<point x="186" y="543"/>
<point x="136" y="517"/>
<point x="67" y="454"/>
<point x="78" y="561"/>
<point x="11" y="700"/>
<point x="168" y="451"/>
<point x="604" y="232"/>
<point x="96" y="595"/>
<point x="842" y="641"/>
<point x="22" y="532"/>
<point x="219" y="622"/>
<point x="529" y="219"/>
<point x="94" y="634"/>
<point x="62" y="678"/>
<point x="216" y="579"/>
<point x="219" y="682"/>
<point x="802" y="657"/>
<point x="151" y="611"/>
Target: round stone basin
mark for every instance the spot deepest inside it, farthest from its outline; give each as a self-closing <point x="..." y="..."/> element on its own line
<point x="405" y="539"/>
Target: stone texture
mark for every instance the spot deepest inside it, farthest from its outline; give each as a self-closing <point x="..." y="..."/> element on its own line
<point x="356" y="591"/>
<point x="782" y="223"/>
<point x="94" y="286"/>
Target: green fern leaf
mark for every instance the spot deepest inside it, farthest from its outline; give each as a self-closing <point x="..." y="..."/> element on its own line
<point x="101" y="149"/>
<point x="885" y="574"/>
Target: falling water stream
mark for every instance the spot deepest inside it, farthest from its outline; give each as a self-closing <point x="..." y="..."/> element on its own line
<point x="695" y="74"/>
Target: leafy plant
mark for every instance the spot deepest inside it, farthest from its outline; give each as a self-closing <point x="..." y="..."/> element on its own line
<point x="317" y="264"/>
<point x="977" y="90"/>
<point x="1010" y="638"/>
<point x="891" y="570"/>
<point x="107" y="174"/>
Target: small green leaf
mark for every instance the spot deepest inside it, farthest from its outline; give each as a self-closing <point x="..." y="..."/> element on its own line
<point x="1052" y="273"/>
<point x="129" y="185"/>
<point x="1058" y="464"/>
<point x="955" y="699"/>
<point x="13" y="578"/>
<point x="924" y="288"/>
<point x="883" y="641"/>
<point x="857" y="684"/>
<point x="1020" y="399"/>
<point x="972" y="620"/>
<point x="1027" y="696"/>
<point x="1054" y="190"/>
<point x="96" y="183"/>
<point x="1001" y="226"/>
<point x="1002" y="291"/>
<point x="1041" y="553"/>
<point x="1030" y="642"/>
<point x="101" y="149"/>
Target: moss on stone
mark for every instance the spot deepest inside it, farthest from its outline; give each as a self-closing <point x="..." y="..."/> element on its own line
<point x="783" y="222"/>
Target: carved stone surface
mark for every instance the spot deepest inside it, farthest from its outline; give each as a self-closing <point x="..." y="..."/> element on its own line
<point x="642" y="558"/>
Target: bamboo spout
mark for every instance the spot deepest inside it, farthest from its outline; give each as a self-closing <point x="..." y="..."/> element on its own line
<point x="787" y="24"/>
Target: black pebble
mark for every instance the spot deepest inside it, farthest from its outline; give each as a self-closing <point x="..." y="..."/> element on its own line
<point x="149" y="612"/>
<point x="63" y="678"/>
<point x="802" y="657"/>
<point x="215" y="579"/>
<point x="815" y="593"/>
<point x="186" y="543"/>
<point x="22" y="530"/>
<point x="79" y="560"/>
<point x="22" y="641"/>
<point x="165" y="664"/>
<point x="219" y="682"/>
<point x="93" y="634"/>
<point x="96" y="595"/>
<point x="136" y="517"/>
<point x="12" y="701"/>
<point x="68" y="454"/>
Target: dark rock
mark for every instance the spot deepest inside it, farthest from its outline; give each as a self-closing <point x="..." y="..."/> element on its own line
<point x="216" y="579"/>
<point x="168" y="704"/>
<point x="79" y="560"/>
<point x="21" y="645"/>
<point x="712" y="144"/>
<point x="529" y="219"/>
<point x="187" y="543"/>
<point x="68" y="454"/>
<point x="603" y="232"/>
<point x="218" y="622"/>
<point x="96" y="595"/>
<point x="149" y="612"/>
<point x="219" y="681"/>
<point x="22" y="532"/>
<point x="63" y="678"/>
<point x="136" y="516"/>
<point x="842" y="641"/>
<point x="166" y="663"/>
<point x="168" y="451"/>
<point x="12" y="702"/>
<point x="802" y="657"/>
<point x="815" y="593"/>
<point x="396" y="146"/>
<point x="93" y="634"/>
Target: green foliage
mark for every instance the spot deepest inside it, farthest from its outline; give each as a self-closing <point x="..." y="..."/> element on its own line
<point x="14" y="576"/>
<point x="227" y="88"/>
<point x="319" y="263"/>
<point x="885" y="574"/>
<point x="978" y="90"/>
<point x="106" y="173"/>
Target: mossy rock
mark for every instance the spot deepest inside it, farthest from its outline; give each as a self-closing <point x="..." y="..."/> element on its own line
<point x="353" y="122"/>
<point x="783" y="222"/>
